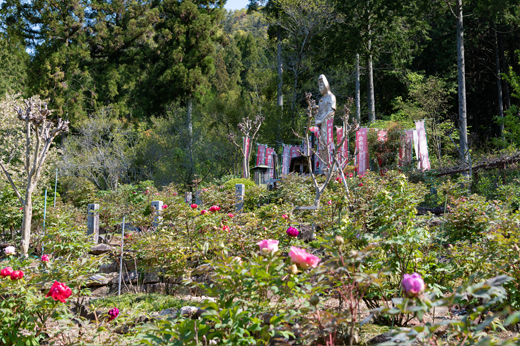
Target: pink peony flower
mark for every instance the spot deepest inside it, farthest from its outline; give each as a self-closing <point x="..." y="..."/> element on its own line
<point x="413" y="284"/>
<point x="165" y="206"/>
<point x="292" y="232"/>
<point x="16" y="275"/>
<point x="203" y="212"/>
<point x="45" y="258"/>
<point x="59" y="291"/>
<point x="21" y="208"/>
<point x="204" y="190"/>
<point x="350" y="175"/>
<point x="113" y="313"/>
<point x="147" y="191"/>
<point x="7" y="271"/>
<point x="9" y="250"/>
<point x="194" y="206"/>
<point x="339" y="180"/>
<point x="134" y="192"/>
<point x="285" y="216"/>
<point x="225" y="228"/>
<point x="329" y="202"/>
<point x="175" y="193"/>
<point x="268" y="245"/>
<point x="230" y="215"/>
<point x="157" y="193"/>
<point x="302" y="258"/>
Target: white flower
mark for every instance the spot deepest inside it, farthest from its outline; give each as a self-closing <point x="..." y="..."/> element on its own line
<point x="9" y="250"/>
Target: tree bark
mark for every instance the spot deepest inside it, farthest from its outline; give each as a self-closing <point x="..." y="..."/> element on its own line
<point x="358" y="91"/>
<point x="463" y="124"/>
<point x="189" y="118"/>
<point x="507" y="97"/>
<point x="26" y="221"/>
<point x="499" y="85"/>
<point x="280" y="69"/>
<point x="370" y="81"/>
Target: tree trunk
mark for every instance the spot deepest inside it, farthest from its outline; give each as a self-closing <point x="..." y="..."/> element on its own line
<point x="26" y="222"/>
<point x="499" y="86"/>
<point x="280" y="69"/>
<point x="189" y="118"/>
<point x="463" y="120"/>
<point x="358" y="91"/>
<point x="507" y="98"/>
<point x="370" y="80"/>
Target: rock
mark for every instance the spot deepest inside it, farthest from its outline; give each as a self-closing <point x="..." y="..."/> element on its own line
<point x="98" y="280"/>
<point x="109" y="268"/>
<point x="150" y="278"/>
<point x="156" y="288"/>
<point x="306" y="232"/>
<point x="168" y="312"/>
<point x="175" y="281"/>
<point x="130" y="277"/>
<point x="202" y="269"/>
<point x="100" y="291"/>
<point x="206" y="278"/>
<point x="379" y="339"/>
<point x="127" y="289"/>
<point x="100" y="249"/>
<point x="188" y="311"/>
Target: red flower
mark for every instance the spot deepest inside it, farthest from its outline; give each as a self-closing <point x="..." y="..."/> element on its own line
<point x="230" y="215"/>
<point x="45" y="258"/>
<point x="17" y="275"/>
<point x="113" y="313"/>
<point x="194" y="206"/>
<point x="350" y="175"/>
<point x="284" y="216"/>
<point x="59" y="291"/>
<point x="165" y="206"/>
<point x="214" y="208"/>
<point x="225" y="228"/>
<point x="202" y="212"/>
<point x="360" y="184"/>
<point x="6" y="272"/>
<point x="338" y="179"/>
<point x="175" y="193"/>
<point x="21" y="208"/>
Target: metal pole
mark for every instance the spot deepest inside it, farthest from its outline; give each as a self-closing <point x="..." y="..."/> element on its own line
<point x="121" y="264"/>
<point x="44" y="215"/>
<point x="55" y="187"/>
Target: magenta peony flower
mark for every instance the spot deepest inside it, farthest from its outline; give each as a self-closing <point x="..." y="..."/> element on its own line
<point x="113" y="313"/>
<point x="302" y="258"/>
<point x="16" y="275"/>
<point x="360" y="184"/>
<point x="6" y="272"/>
<point x="292" y="232"/>
<point x="214" y="208"/>
<point x="230" y="215"/>
<point x="194" y="206"/>
<point x="413" y="284"/>
<point x="268" y="245"/>
<point x="329" y="202"/>
<point x="175" y="193"/>
<point x="165" y="206"/>
<point x="350" y="175"/>
<point x="59" y="291"/>
<point x="45" y="258"/>
<point x="202" y="212"/>
<point x="225" y="228"/>
<point x="285" y="216"/>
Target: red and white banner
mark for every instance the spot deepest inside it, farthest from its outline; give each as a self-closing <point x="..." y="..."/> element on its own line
<point x="330" y="139"/>
<point x="269" y="161"/>
<point x="260" y="156"/>
<point x="381" y="135"/>
<point x="295" y="151"/>
<point x="405" y="152"/>
<point x="246" y="143"/>
<point x="286" y="157"/>
<point x="424" y="158"/>
<point x="362" y="151"/>
<point x="343" y="150"/>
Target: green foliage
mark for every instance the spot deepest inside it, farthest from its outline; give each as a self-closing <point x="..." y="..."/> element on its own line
<point x="231" y="183"/>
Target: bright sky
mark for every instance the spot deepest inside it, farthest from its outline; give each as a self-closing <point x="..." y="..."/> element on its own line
<point x="235" y="4"/>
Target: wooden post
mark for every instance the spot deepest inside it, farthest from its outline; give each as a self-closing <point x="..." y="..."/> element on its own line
<point x="157" y="205"/>
<point x="240" y="192"/>
<point x="93" y="221"/>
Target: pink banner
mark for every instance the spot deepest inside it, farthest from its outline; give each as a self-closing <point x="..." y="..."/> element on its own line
<point x="295" y="151"/>
<point x="246" y="144"/>
<point x="424" y="158"/>
<point x="362" y="151"/>
<point x="330" y="139"/>
<point x="381" y="135"/>
<point x="269" y="161"/>
<point x="260" y="156"/>
<point x="343" y="151"/>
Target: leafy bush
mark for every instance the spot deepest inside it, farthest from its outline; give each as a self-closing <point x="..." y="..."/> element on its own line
<point x="231" y="183"/>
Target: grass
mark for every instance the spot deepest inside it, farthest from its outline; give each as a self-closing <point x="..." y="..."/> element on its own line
<point x="140" y="302"/>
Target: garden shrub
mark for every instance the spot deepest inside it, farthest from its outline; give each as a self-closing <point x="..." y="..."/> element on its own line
<point x="231" y="183"/>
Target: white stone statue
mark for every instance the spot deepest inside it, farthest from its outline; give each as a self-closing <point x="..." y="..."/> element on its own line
<point x="326" y="110"/>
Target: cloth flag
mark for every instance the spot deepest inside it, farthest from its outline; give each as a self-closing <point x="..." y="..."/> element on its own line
<point x="295" y="152"/>
<point x="362" y="151"/>
<point x="269" y="161"/>
<point x="423" y="157"/>
<point x="260" y="157"/>
<point x="343" y="150"/>
<point x="405" y="152"/>
<point x="286" y="159"/>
